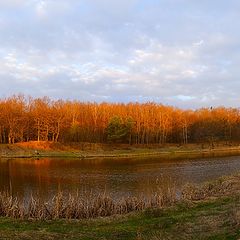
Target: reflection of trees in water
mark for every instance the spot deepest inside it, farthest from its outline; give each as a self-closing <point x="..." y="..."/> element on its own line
<point x="46" y="177"/>
<point x="125" y="177"/>
<point x="27" y="175"/>
<point x="140" y="177"/>
<point x="5" y="181"/>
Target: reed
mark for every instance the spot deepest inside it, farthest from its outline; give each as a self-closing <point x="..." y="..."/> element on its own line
<point x="224" y="186"/>
<point x="77" y="206"/>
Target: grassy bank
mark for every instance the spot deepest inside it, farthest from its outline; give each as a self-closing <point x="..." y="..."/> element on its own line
<point x="212" y="219"/>
<point x="91" y="150"/>
<point x="209" y="211"/>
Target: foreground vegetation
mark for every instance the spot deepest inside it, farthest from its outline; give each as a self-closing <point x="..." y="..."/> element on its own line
<point x="78" y="206"/>
<point x="210" y="211"/>
<point x="213" y="219"/>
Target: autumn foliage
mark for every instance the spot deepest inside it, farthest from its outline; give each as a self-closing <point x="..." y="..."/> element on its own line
<point x="42" y="119"/>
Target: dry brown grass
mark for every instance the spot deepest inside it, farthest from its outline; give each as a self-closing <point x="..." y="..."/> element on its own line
<point x="57" y="146"/>
<point x="80" y="206"/>
<point x="41" y="145"/>
<point x="225" y="186"/>
<point x="75" y="206"/>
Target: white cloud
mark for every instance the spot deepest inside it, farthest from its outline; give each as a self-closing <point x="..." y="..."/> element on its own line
<point x="52" y="8"/>
<point x="197" y="44"/>
<point x="41" y="9"/>
<point x="170" y="51"/>
<point x="12" y="3"/>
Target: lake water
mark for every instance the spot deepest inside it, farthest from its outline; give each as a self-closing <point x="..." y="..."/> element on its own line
<point x="118" y="177"/>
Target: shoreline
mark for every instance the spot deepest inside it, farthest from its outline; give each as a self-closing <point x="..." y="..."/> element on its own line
<point x="15" y="151"/>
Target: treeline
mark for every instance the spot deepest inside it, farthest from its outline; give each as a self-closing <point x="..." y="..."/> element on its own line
<point x="41" y="119"/>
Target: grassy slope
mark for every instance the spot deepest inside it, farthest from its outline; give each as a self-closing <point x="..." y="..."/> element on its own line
<point x="83" y="150"/>
<point x="212" y="219"/>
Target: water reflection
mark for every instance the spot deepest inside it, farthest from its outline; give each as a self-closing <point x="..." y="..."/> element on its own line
<point x="118" y="177"/>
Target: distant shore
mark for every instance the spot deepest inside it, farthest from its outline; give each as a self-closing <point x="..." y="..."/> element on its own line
<point x="91" y="150"/>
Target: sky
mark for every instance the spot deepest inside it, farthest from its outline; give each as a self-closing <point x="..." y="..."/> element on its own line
<point x="184" y="53"/>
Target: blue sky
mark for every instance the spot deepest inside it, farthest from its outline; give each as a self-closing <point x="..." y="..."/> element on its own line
<point x="184" y="53"/>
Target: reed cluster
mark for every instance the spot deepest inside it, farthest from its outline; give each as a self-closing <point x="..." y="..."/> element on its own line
<point x="224" y="186"/>
<point x="76" y="206"/>
<point x="82" y="206"/>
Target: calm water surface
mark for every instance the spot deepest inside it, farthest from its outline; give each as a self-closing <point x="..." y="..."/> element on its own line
<point x="118" y="177"/>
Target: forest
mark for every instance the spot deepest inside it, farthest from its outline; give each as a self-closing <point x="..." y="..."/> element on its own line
<point x="26" y="119"/>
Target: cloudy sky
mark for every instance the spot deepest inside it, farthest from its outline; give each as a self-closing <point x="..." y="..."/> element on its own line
<point x="184" y="53"/>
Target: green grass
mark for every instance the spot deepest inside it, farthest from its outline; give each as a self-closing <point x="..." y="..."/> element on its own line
<point x="212" y="219"/>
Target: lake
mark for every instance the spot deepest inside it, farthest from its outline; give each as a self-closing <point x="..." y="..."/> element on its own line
<point x="117" y="177"/>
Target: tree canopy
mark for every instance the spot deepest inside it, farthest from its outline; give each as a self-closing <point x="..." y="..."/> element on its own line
<point x="42" y="119"/>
